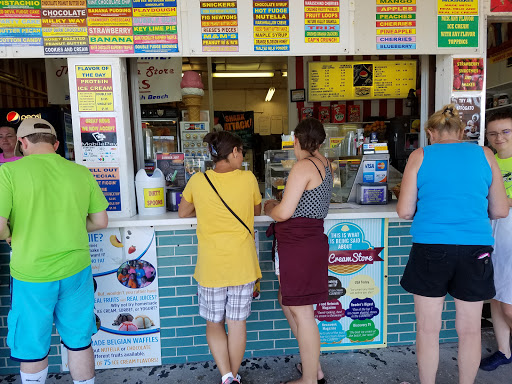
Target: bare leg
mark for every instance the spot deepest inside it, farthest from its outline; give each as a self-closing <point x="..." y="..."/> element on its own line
<point x="34" y="367"/>
<point x="237" y="336"/>
<point x="309" y="342"/>
<point x="468" y="325"/>
<point x="218" y="343"/>
<point x="502" y="323"/>
<point x="428" y="317"/>
<point x="81" y="364"/>
<point x="287" y="312"/>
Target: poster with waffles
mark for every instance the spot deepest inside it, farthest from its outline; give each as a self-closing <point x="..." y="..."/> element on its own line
<point x="355" y="315"/>
<point x="126" y="300"/>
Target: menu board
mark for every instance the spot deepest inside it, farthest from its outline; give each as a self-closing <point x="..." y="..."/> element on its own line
<point x="355" y="315"/>
<point x="271" y="25"/>
<point x="219" y="26"/>
<point x="95" y="90"/>
<point x="360" y="80"/>
<point x="457" y="23"/>
<point x="20" y="23"/>
<point x="70" y="27"/>
<point x="322" y="21"/>
<point x="409" y="27"/>
<point x="396" y="24"/>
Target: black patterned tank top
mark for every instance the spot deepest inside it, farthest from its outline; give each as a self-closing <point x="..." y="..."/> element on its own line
<point x="314" y="204"/>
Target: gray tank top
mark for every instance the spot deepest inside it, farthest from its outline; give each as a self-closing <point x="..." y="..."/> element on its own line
<point x="314" y="204"/>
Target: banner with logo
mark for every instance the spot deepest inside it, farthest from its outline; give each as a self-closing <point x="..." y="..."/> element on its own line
<point x="124" y="267"/>
<point x="355" y="315"/>
<point x="159" y="79"/>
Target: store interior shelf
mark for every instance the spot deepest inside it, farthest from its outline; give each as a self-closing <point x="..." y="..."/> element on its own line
<point x="500" y="87"/>
<point x="500" y="107"/>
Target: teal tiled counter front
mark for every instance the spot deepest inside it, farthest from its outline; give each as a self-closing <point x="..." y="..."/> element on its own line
<point x="183" y="330"/>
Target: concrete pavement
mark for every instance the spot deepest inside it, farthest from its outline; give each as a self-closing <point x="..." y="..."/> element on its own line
<point x="392" y="365"/>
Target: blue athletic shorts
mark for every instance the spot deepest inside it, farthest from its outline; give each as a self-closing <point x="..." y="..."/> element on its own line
<point x="34" y="308"/>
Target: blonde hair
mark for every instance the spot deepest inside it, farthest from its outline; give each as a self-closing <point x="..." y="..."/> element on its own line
<point x="447" y="119"/>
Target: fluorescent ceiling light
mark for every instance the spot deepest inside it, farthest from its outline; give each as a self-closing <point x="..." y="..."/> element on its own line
<point x="243" y="74"/>
<point x="270" y="93"/>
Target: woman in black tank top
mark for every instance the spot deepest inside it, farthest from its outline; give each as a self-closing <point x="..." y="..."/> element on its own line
<point x="303" y="250"/>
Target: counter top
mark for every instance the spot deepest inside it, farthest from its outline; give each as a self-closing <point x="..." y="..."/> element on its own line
<point x="171" y="221"/>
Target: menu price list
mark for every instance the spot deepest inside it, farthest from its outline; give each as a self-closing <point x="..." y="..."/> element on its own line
<point x="457" y="24"/>
<point x="396" y="24"/>
<point x="361" y="80"/>
<point x="90" y="26"/>
<point x="20" y="23"/>
<point x="271" y="26"/>
<point x="219" y="26"/>
<point x="322" y="21"/>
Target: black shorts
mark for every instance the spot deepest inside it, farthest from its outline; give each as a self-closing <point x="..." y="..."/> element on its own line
<point x="463" y="271"/>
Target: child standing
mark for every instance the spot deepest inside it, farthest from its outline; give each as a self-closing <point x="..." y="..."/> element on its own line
<point x="499" y="134"/>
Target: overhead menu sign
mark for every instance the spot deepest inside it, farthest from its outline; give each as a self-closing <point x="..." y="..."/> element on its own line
<point x="407" y="26"/>
<point x="360" y="80"/>
<point x="322" y="21"/>
<point x="271" y="26"/>
<point x="457" y="23"/>
<point x="396" y="24"/>
<point x="219" y="26"/>
<point x="69" y="27"/>
<point x="20" y="23"/>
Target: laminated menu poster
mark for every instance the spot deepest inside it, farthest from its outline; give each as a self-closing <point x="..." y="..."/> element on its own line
<point x="355" y="315"/>
<point x="124" y="267"/>
<point x="469" y="109"/>
<point x="99" y="139"/>
<point x="358" y="80"/>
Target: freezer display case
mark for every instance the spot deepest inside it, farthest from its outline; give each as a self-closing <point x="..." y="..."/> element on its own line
<point x="278" y="164"/>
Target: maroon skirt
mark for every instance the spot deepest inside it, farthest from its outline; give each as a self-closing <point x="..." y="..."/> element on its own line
<point x="303" y="260"/>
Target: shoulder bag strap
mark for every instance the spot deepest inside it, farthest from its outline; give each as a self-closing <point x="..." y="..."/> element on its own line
<point x="227" y="206"/>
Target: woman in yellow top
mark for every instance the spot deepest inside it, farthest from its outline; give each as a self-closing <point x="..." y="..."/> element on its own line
<point x="227" y="266"/>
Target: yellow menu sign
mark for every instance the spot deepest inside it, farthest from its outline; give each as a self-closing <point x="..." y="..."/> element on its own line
<point x="360" y="80"/>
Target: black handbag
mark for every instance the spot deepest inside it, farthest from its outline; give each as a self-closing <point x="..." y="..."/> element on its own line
<point x="227" y="206"/>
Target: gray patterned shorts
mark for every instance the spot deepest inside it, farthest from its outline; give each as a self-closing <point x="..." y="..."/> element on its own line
<point x="232" y="303"/>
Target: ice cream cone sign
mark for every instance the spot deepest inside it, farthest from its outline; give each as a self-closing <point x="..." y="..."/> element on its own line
<point x="192" y="93"/>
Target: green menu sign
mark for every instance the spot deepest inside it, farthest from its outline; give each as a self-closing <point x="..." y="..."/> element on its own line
<point x="457" y="31"/>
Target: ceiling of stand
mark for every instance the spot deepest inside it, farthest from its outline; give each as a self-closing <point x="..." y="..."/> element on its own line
<point x="241" y="64"/>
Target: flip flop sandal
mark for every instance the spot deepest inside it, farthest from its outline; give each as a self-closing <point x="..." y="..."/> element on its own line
<point x="298" y="367"/>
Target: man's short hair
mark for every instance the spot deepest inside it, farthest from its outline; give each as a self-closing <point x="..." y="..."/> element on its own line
<point x="501" y="115"/>
<point x="41" y="138"/>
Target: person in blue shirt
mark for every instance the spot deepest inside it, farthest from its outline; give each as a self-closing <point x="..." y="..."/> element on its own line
<point x="139" y="272"/>
<point x="450" y="204"/>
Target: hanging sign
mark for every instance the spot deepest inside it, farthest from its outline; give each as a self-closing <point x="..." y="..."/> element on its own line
<point x="355" y="315"/>
<point x="159" y="79"/>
